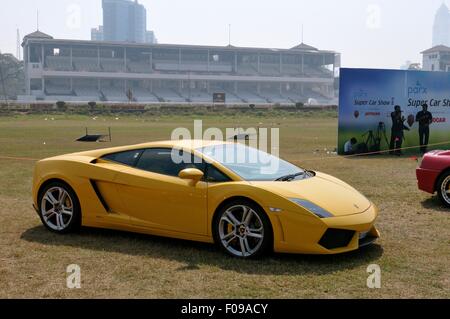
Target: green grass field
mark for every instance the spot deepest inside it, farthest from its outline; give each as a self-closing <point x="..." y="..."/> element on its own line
<point x="414" y="251"/>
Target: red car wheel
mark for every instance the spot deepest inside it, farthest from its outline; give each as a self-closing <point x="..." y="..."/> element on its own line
<point x="443" y="188"/>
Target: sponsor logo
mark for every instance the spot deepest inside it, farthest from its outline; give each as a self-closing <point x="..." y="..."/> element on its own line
<point x="372" y="114"/>
<point x="416" y="90"/>
<point x="360" y="94"/>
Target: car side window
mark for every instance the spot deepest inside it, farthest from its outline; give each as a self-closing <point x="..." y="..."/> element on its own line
<point x="159" y="160"/>
<point x="215" y="176"/>
<point x="127" y="158"/>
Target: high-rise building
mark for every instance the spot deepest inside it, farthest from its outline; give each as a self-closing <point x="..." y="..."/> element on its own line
<point x="441" y="28"/>
<point x="123" y="21"/>
<point x="150" y="37"/>
<point x="97" y="34"/>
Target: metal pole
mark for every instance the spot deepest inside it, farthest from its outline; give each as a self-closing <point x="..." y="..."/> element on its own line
<point x="189" y="83"/>
<point x="125" y="58"/>
<point x="303" y="63"/>
<point x="151" y="60"/>
<point x="259" y="62"/>
<point x="281" y="63"/>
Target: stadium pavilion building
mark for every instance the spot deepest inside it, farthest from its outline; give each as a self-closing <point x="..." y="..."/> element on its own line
<point x="71" y="70"/>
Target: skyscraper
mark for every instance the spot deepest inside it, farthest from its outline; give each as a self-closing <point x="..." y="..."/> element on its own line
<point x="123" y="21"/>
<point x="97" y="34"/>
<point x="441" y="28"/>
<point x="150" y="37"/>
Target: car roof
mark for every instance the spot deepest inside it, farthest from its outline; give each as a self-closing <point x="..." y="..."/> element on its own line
<point x="191" y="145"/>
<point x="184" y="144"/>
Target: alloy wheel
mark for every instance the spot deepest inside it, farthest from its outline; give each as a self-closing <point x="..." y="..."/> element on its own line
<point x="241" y="231"/>
<point x="445" y="189"/>
<point x="57" y="208"/>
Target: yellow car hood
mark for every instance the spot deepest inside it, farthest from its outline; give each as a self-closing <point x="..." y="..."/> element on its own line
<point x="332" y="194"/>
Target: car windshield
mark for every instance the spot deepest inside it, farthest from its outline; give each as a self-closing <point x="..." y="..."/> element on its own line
<point x="252" y="164"/>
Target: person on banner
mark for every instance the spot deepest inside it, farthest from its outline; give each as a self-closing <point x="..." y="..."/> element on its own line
<point x="350" y="147"/>
<point x="397" y="132"/>
<point x="425" y="119"/>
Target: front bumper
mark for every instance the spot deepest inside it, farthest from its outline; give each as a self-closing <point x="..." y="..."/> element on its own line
<point x="426" y="179"/>
<point x="310" y="235"/>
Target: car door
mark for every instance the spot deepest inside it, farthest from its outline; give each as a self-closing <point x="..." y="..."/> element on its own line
<point x="154" y="196"/>
<point x="102" y="179"/>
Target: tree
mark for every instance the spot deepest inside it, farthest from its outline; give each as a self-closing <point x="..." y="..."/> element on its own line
<point x="299" y="105"/>
<point x="61" y="105"/>
<point x="12" y="80"/>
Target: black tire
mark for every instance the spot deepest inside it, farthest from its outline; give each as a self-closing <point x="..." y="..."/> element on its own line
<point x="259" y="224"/>
<point x="69" y="223"/>
<point x="443" y="186"/>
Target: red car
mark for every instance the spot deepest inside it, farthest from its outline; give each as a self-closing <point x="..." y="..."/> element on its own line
<point x="433" y="175"/>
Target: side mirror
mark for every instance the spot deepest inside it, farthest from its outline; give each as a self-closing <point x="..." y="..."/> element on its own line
<point x="192" y="174"/>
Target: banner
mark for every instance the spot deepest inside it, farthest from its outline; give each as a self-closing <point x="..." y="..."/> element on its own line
<point x="367" y="103"/>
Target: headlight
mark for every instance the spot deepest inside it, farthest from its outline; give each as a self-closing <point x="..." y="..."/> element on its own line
<point x="313" y="208"/>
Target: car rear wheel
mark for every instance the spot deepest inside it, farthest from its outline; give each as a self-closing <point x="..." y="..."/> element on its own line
<point x="242" y="229"/>
<point x="444" y="189"/>
<point x="59" y="208"/>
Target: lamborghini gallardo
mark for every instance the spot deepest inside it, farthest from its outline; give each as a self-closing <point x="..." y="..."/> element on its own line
<point x="246" y="201"/>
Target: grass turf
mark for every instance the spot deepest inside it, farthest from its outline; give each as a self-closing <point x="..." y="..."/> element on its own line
<point x="413" y="252"/>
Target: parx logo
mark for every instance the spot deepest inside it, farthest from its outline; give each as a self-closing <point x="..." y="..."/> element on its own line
<point x="418" y="89"/>
<point x="374" y="279"/>
<point x="74" y="277"/>
<point x="360" y="94"/>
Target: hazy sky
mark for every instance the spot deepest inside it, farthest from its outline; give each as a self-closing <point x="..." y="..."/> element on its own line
<point x="368" y="33"/>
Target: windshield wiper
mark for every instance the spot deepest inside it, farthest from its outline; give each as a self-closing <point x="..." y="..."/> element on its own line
<point x="289" y="177"/>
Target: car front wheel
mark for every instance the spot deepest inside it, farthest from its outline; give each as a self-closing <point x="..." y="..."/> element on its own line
<point x="59" y="208"/>
<point x="242" y="229"/>
<point x="444" y="189"/>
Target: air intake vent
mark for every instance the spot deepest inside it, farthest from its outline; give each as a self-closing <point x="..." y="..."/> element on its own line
<point x="99" y="195"/>
<point x="336" y="238"/>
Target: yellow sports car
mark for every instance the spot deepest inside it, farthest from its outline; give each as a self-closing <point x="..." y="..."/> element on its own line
<point x="244" y="200"/>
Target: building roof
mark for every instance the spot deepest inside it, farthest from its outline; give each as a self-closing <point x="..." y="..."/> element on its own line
<point x="438" y="48"/>
<point x="443" y="10"/>
<point x="42" y="37"/>
<point x="304" y="47"/>
<point x="38" y="35"/>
